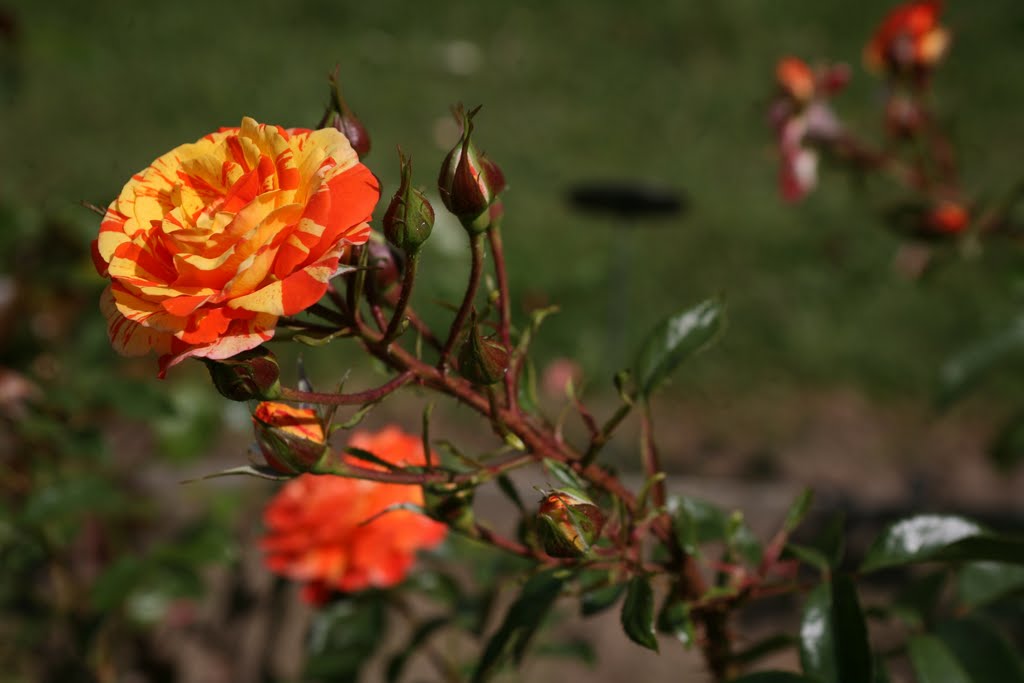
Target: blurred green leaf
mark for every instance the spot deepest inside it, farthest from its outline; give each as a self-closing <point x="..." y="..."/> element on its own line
<point x="600" y="595"/>
<point x="673" y="341"/>
<point x="985" y="655"/>
<point x="523" y="619"/>
<point x="798" y="510"/>
<point x="696" y="522"/>
<point x="742" y="542"/>
<point x="933" y="662"/>
<point x="564" y="474"/>
<point x="1007" y="449"/>
<point x="817" y="645"/>
<point x="918" y="597"/>
<point x="964" y="370"/>
<point x="853" y="651"/>
<point x="939" y="538"/>
<point x="674" y="620"/>
<point x="396" y="665"/>
<point x="637" y="615"/>
<point x="68" y="500"/>
<point x="979" y="583"/>
<point x="344" y="636"/>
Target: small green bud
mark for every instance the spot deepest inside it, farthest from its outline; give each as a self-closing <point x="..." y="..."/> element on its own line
<point x="482" y="360"/>
<point x="410" y="218"/>
<point x="252" y="374"/>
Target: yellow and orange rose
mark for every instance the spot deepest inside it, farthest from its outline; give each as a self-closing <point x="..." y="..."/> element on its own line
<point x="216" y="239"/>
<point x="340" y="534"/>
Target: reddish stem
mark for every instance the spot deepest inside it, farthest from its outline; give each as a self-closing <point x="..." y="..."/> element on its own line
<point x="358" y="398"/>
<point x="505" y="308"/>
<point x="475" y="270"/>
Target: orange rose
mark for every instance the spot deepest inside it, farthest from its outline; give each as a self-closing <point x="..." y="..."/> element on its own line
<point x="909" y="37"/>
<point x="328" y="531"/>
<point x="207" y="247"/>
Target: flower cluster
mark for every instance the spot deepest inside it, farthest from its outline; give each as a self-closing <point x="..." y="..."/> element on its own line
<point x="215" y="240"/>
<point x="341" y="534"/>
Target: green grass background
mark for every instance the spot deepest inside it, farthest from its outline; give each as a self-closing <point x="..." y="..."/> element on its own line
<point x="667" y="93"/>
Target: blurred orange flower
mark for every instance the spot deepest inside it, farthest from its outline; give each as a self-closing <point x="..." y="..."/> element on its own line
<point x="328" y="531"/>
<point x="216" y="239"/>
<point x="909" y="37"/>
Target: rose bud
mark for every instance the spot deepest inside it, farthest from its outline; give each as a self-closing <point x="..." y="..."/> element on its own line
<point x="252" y="374"/>
<point x="410" y="217"/>
<point x="569" y="523"/>
<point x="385" y="268"/>
<point x="947" y="218"/>
<point x="469" y="182"/>
<point x="796" y="79"/>
<point x="291" y="439"/>
<point x="340" y="117"/>
<point x="482" y="360"/>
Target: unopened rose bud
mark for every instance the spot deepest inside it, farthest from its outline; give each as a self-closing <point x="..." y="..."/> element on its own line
<point x="482" y="360"/>
<point x="469" y="182"/>
<point x="291" y="439"/>
<point x="568" y="523"/>
<point x="385" y="268"/>
<point x="252" y="374"/>
<point x="410" y="217"/>
<point x="795" y="78"/>
<point x="340" y="117"/>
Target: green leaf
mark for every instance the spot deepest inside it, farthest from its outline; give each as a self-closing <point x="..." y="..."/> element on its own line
<point x="853" y="651"/>
<point x="600" y="597"/>
<point x="833" y="636"/>
<point x="798" y="510"/>
<point x="674" y="620"/>
<point x="696" y="522"/>
<point x="674" y="340"/>
<point x="927" y="538"/>
<point x="963" y="371"/>
<point x="774" y="677"/>
<point x="523" y="619"/>
<point x="397" y="663"/>
<point x="344" y="636"/>
<point x="919" y="597"/>
<point x="564" y="474"/>
<point x="742" y="542"/>
<point x="933" y="662"/>
<point x="980" y="583"/>
<point x="817" y="645"/>
<point x="638" y="613"/>
<point x="983" y="652"/>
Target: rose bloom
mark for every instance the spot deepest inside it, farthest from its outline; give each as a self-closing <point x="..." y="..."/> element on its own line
<point x="207" y="247"/>
<point x="330" y="533"/>
<point x="909" y="37"/>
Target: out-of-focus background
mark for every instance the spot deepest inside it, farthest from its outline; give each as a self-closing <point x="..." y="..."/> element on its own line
<point x="827" y="372"/>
